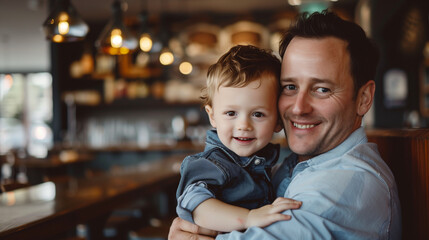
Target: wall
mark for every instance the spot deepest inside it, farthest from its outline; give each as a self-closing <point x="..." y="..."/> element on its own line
<point x="23" y="47"/>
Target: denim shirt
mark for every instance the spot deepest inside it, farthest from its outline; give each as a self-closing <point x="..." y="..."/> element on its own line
<point x="220" y="173"/>
<point x="347" y="193"/>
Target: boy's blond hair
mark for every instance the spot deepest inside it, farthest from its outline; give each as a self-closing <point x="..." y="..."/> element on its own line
<point x="241" y="65"/>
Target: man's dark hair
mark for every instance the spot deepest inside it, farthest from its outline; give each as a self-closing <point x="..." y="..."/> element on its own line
<point x="363" y="53"/>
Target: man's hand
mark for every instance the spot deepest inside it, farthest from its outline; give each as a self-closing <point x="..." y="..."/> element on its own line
<point x="268" y="214"/>
<point x="182" y="229"/>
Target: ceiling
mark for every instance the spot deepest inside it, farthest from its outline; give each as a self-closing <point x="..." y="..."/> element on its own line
<point x="92" y="10"/>
<point x="101" y="9"/>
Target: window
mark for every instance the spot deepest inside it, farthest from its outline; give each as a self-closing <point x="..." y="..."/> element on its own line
<point x="26" y="112"/>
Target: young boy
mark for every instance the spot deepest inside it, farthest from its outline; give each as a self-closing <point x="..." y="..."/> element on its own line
<point x="232" y="175"/>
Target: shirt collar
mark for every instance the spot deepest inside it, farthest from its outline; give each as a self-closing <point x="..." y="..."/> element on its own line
<point x="357" y="137"/>
<point x="269" y="152"/>
<point x="292" y="167"/>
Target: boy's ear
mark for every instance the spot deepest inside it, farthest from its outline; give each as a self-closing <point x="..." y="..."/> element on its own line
<point x="210" y="113"/>
<point x="279" y="126"/>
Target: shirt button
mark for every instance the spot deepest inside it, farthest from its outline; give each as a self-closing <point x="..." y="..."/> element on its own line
<point x="257" y="161"/>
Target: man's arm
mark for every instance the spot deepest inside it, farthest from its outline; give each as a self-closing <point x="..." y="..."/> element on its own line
<point x="182" y="229"/>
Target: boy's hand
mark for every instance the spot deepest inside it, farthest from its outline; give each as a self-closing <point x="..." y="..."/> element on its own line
<point x="268" y="214"/>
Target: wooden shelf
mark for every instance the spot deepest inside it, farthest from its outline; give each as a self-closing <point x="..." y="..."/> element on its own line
<point x="138" y="103"/>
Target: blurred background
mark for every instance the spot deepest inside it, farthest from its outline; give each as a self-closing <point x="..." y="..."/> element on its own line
<point x="65" y="85"/>
<point x="90" y="89"/>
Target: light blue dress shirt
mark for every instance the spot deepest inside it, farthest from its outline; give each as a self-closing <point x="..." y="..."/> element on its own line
<point x="347" y="193"/>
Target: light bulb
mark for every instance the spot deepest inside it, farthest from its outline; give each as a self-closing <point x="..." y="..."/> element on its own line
<point x="116" y="38"/>
<point x="166" y="58"/>
<point x="63" y="28"/>
<point x="63" y="24"/>
<point x="185" y="68"/>
<point x="145" y="42"/>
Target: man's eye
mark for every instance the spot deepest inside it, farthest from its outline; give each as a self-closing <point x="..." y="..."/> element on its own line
<point x="230" y="113"/>
<point x="289" y="87"/>
<point x="323" y="90"/>
<point x="258" y="114"/>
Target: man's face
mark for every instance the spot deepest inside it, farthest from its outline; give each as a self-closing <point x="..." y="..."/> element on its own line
<point x="316" y="103"/>
<point x="246" y="117"/>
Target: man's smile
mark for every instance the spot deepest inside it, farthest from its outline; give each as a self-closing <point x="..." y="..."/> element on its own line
<point x="303" y="126"/>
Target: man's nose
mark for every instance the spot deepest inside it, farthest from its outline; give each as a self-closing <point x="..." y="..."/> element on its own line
<point x="244" y="124"/>
<point x="302" y="104"/>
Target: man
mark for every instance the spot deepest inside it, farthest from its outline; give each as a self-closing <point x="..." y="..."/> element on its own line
<point x="346" y="189"/>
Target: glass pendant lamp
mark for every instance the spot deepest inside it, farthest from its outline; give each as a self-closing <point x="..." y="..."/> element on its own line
<point x="166" y="56"/>
<point x="64" y="23"/>
<point x="145" y="40"/>
<point x="116" y="39"/>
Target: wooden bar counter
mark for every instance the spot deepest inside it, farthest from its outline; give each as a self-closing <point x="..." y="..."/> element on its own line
<point x="49" y="209"/>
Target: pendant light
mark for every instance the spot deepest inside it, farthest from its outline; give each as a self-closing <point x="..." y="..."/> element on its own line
<point x="64" y="23"/>
<point x="166" y="56"/>
<point x="146" y="40"/>
<point x="116" y="39"/>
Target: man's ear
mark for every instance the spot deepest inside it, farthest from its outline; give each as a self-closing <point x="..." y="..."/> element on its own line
<point x="365" y="97"/>
<point x="210" y="113"/>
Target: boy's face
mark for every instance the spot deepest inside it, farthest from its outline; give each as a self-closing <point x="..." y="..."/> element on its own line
<point x="246" y="117"/>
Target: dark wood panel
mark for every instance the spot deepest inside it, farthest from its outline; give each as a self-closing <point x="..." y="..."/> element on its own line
<point x="407" y="154"/>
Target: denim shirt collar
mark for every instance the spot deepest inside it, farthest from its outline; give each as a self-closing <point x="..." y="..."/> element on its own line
<point x="270" y="152"/>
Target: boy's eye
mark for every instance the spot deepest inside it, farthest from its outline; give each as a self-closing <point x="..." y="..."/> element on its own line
<point x="230" y="113"/>
<point x="258" y="114"/>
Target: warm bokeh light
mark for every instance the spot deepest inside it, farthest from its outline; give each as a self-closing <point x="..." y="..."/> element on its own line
<point x="58" y="38"/>
<point x="145" y="42"/>
<point x="116" y="38"/>
<point x="63" y="28"/>
<point x="166" y="58"/>
<point x="185" y="68"/>
<point x="294" y="2"/>
<point x="63" y="23"/>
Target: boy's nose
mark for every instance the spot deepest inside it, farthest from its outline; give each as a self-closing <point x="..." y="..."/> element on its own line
<point x="244" y="124"/>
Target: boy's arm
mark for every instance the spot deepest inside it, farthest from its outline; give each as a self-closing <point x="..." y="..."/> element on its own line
<point x="219" y="216"/>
